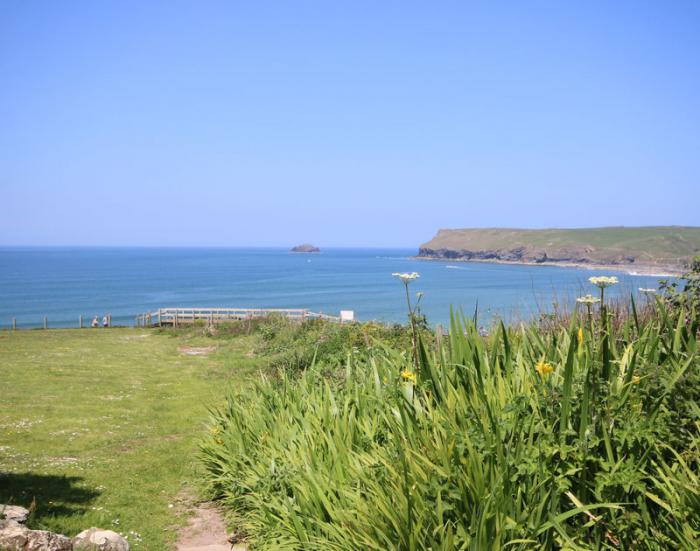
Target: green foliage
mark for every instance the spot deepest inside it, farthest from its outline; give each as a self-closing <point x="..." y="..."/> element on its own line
<point x="483" y="451"/>
<point x="295" y="346"/>
<point x="684" y="292"/>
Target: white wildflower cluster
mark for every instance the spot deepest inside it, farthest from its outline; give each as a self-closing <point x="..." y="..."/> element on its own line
<point x="406" y="278"/>
<point x="135" y="537"/>
<point x="603" y="281"/>
<point x="588" y="299"/>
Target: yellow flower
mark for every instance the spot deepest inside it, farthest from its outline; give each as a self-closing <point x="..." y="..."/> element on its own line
<point x="544" y="368"/>
<point x="215" y="430"/>
<point x="580" y="336"/>
<point x="635" y="380"/>
<point x="408" y="376"/>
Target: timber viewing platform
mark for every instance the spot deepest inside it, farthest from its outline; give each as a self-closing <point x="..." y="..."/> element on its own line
<point x="173" y="317"/>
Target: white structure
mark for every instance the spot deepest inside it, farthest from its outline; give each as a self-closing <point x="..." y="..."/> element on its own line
<point x="347" y="315"/>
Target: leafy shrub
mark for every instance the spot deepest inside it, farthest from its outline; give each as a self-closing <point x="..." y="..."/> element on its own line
<point x="586" y="437"/>
<point x="295" y="346"/>
<point x="685" y="291"/>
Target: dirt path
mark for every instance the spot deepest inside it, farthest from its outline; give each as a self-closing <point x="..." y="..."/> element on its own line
<point x="206" y="531"/>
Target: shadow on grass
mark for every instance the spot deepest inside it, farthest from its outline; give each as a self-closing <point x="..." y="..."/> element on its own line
<point x="53" y="495"/>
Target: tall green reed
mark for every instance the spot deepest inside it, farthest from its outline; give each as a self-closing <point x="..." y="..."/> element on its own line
<point x="600" y="450"/>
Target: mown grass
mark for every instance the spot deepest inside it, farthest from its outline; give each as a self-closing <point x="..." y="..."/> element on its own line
<point x="584" y="436"/>
<point x="100" y="427"/>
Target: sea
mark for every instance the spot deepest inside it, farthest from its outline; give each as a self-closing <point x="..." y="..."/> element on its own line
<point x="63" y="284"/>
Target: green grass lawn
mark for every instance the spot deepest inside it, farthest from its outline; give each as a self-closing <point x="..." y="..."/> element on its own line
<point x="101" y="427"/>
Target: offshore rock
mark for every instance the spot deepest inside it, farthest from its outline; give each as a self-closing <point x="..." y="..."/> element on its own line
<point x="306" y="248"/>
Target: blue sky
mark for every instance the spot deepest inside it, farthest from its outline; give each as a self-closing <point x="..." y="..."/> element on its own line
<point x="343" y="123"/>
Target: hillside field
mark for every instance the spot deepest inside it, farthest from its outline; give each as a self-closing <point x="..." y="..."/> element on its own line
<point x="670" y="246"/>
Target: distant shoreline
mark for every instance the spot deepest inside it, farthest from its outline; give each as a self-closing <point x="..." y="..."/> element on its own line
<point x="637" y="270"/>
<point x="660" y="251"/>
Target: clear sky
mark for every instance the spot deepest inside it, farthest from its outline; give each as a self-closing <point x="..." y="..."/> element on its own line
<point x="343" y="123"/>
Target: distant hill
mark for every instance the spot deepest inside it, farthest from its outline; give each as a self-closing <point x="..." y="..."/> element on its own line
<point x="670" y="247"/>
<point x="306" y="248"/>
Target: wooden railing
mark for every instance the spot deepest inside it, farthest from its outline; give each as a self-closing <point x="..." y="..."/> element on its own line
<point x="181" y="316"/>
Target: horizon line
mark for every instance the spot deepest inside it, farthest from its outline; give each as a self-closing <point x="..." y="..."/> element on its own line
<point x="124" y="246"/>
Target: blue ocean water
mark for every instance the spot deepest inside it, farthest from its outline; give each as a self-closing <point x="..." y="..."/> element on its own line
<point x="64" y="283"/>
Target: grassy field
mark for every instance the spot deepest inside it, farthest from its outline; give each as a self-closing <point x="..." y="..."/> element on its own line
<point x="583" y="434"/>
<point x="101" y="427"/>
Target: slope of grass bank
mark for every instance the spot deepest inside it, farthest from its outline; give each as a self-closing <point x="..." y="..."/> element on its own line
<point x="100" y="427"/>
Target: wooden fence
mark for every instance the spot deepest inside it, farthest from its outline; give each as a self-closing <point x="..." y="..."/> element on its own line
<point x="174" y="317"/>
<point x="81" y="323"/>
<point x="182" y="316"/>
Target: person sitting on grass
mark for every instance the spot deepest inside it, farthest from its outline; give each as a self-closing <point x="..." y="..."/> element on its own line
<point x="95" y="321"/>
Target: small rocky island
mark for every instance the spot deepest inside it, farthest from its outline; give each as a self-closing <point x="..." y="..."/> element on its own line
<point x="306" y="248"/>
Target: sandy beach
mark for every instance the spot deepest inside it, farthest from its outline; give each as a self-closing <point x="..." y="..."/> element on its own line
<point x="636" y="270"/>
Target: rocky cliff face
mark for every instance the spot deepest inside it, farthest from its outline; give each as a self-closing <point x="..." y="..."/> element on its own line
<point x="517" y="254"/>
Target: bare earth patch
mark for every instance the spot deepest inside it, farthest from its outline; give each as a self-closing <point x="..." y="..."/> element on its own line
<point x="196" y="351"/>
<point x="206" y="531"/>
<point x="135" y="337"/>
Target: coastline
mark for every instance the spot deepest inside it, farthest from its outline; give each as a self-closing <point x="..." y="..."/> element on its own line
<point x="638" y="270"/>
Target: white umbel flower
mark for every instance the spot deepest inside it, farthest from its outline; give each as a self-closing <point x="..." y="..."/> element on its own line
<point x="603" y="281"/>
<point x="406" y="278"/>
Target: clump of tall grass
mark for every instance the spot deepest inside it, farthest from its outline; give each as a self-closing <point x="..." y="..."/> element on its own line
<point x="584" y="436"/>
<point x="295" y="346"/>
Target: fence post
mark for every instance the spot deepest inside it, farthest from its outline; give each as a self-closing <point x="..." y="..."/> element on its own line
<point x="175" y="319"/>
<point x="46" y="322"/>
<point x="14" y="324"/>
<point x="80" y="321"/>
<point x="160" y="323"/>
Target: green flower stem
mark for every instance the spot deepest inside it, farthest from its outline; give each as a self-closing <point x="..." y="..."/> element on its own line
<point x="414" y="336"/>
